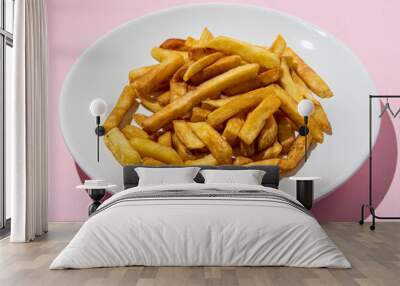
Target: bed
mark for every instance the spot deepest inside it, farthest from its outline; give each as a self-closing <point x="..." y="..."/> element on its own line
<point x="198" y="224"/>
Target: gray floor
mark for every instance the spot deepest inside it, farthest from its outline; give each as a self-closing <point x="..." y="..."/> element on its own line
<point x="375" y="257"/>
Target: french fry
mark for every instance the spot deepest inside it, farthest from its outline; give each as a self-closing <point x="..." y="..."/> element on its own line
<point x="207" y="160"/>
<point x="219" y="148"/>
<point x="184" y="104"/>
<point x="161" y="55"/>
<point x="241" y="160"/>
<point x="268" y="162"/>
<point x="125" y="101"/>
<point x="177" y="86"/>
<point x="220" y="66"/>
<point x="272" y="152"/>
<point x="289" y="107"/>
<point x="238" y="104"/>
<point x="232" y="129"/>
<point x="296" y="154"/>
<point x="139" y="118"/>
<point x="201" y="64"/>
<point x="250" y="53"/>
<point x="154" y="79"/>
<point x="206" y="36"/>
<point x="212" y="104"/>
<point x="256" y="119"/>
<point x="310" y="77"/>
<point x="151" y="105"/>
<point x="182" y="150"/>
<point x="278" y="46"/>
<point x="265" y="78"/>
<point x="319" y="113"/>
<point x="247" y="150"/>
<point x="131" y="131"/>
<point x="173" y="44"/>
<point x="152" y="162"/>
<point x="164" y="98"/>
<point x="287" y="82"/>
<point x="149" y="148"/>
<point x="268" y="134"/>
<point x="120" y="148"/>
<point x="165" y="139"/>
<point x="186" y="135"/>
<point x="191" y="42"/>
<point x="285" y="133"/>
<point x="199" y="114"/>
<point x="137" y="73"/>
<point x="196" y="53"/>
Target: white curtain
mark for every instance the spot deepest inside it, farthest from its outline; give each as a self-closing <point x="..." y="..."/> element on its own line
<point x="26" y="123"/>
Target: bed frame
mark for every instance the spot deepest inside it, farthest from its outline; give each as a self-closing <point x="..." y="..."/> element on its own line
<point x="271" y="177"/>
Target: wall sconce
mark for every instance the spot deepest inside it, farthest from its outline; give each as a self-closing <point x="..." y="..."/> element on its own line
<point x="305" y="108"/>
<point x="98" y="108"/>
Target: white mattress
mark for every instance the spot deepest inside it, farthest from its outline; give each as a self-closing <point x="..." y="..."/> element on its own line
<point x="189" y="231"/>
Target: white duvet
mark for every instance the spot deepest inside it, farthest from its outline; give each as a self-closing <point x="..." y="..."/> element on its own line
<point x="192" y="231"/>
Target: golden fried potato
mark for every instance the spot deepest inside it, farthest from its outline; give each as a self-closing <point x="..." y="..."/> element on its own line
<point x="263" y="79"/>
<point x="177" y="86"/>
<point x="186" y="135"/>
<point x="272" y="152"/>
<point x="232" y="129"/>
<point x="241" y="160"/>
<point x="278" y="46"/>
<point x="311" y="78"/>
<point x="137" y="73"/>
<point x="174" y="44"/>
<point x="207" y="160"/>
<point x="220" y="66"/>
<point x="182" y="150"/>
<point x="191" y="42"/>
<point x="139" y="118"/>
<point x="205" y="38"/>
<point x="184" y="104"/>
<point x="247" y="150"/>
<point x="296" y="154"/>
<point x="268" y="134"/>
<point x="152" y="162"/>
<point x="256" y="119"/>
<point x="211" y="104"/>
<point x="131" y="131"/>
<point x="199" y="114"/>
<point x="158" y="76"/>
<point x="285" y="133"/>
<point x="287" y="82"/>
<point x="124" y="103"/>
<point x="268" y="162"/>
<point x="120" y="148"/>
<point x="149" y="148"/>
<point x="201" y="63"/>
<point x="289" y="107"/>
<point x="238" y="104"/>
<point x="250" y="53"/>
<point x="219" y="148"/>
<point x="164" y="98"/>
<point x="165" y="139"/>
<point x="319" y="113"/>
<point x="150" y="104"/>
<point x="161" y="55"/>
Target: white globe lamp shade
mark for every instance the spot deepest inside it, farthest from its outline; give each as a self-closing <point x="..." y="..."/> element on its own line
<point x="305" y="107"/>
<point x="98" y="107"/>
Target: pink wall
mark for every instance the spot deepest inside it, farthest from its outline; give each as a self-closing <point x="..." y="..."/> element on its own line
<point x="368" y="27"/>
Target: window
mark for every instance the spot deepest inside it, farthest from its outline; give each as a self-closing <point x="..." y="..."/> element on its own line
<point x="6" y="62"/>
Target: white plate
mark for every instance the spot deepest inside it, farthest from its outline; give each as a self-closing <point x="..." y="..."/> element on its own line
<point x="102" y="71"/>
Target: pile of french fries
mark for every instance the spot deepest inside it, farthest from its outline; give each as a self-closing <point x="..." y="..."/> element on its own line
<point x="217" y="101"/>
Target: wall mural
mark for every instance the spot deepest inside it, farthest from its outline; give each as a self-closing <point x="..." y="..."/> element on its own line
<point x="225" y="94"/>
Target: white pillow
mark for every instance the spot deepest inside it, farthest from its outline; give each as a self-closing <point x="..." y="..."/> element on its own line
<point x="166" y="176"/>
<point x="247" y="177"/>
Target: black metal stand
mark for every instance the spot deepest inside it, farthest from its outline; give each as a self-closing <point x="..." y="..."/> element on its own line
<point x="303" y="131"/>
<point x="370" y="203"/>
<point x="96" y="195"/>
<point x="100" y="131"/>
<point x="305" y="192"/>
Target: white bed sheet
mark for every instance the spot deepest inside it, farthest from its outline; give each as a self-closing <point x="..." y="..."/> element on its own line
<point x="200" y="231"/>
